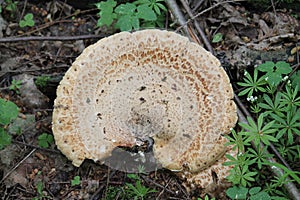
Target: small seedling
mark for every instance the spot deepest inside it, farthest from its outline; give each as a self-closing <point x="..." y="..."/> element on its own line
<point x="41" y="81"/>
<point x="27" y="21"/>
<point x="75" y="181"/>
<point x="206" y="198"/>
<point x="39" y="189"/>
<point x="15" y="86"/>
<point x="217" y="38"/>
<point x="11" y="5"/>
<point x="137" y="190"/>
<point x="45" y="140"/>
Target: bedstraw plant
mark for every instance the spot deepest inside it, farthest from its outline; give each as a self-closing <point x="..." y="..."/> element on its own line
<point x="273" y="97"/>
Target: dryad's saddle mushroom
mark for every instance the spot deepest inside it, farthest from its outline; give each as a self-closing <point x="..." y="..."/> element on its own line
<point x="148" y="84"/>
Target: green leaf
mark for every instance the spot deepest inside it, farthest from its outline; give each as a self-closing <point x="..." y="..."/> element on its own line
<point x="8" y="111"/>
<point x="126" y="22"/>
<point x="237" y="192"/>
<point x="274" y="78"/>
<point x="106" y="12"/>
<point x="295" y="80"/>
<point x="146" y="13"/>
<point x="283" y="67"/>
<point x="261" y="196"/>
<point x="106" y="18"/>
<point x="217" y="38"/>
<point x="45" y="140"/>
<point x="28" y="16"/>
<point x="75" y="181"/>
<point x="266" y="67"/>
<point x="133" y="176"/>
<point x="106" y="6"/>
<point x="22" y="23"/>
<point x="125" y="9"/>
<point x="5" y="139"/>
<point x="28" y="21"/>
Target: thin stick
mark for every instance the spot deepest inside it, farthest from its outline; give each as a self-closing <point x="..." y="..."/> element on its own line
<point x="178" y="15"/>
<point x="199" y="29"/>
<point x="208" y="9"/>
<point x="51" y="38"/>
<point x="17" y="165"/>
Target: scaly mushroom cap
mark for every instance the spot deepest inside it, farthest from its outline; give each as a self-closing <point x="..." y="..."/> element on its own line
<point x="149" y="83"/>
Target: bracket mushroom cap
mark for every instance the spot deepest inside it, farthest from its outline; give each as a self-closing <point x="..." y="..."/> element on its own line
<point x="149" y="83"/>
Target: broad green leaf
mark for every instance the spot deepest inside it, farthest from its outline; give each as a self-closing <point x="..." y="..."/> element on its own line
<point x="126" y="22"/>
<point x="106" y="12"/>
<point x="283" y="67"/>
<point x="295" y="80"/>
<point x="266" y="67"/>
<point x="146" y="13"/>
<point x="237" y="192"/>
<point x="274" y="78"/>
<point x="45" y="139"/>
<point x="125" y="9"/>
<point x="261" y="196"/>
<point x="106" y="18"/>
<point x="8" y="111"/>
<point x="5" y="139"/>
<point x="106" y="6"/>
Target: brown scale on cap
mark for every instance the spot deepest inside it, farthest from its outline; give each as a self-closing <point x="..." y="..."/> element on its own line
<point x="149" y="83"/>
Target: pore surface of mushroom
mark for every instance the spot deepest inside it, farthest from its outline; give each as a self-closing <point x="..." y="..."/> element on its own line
<point x="150" y="83"/>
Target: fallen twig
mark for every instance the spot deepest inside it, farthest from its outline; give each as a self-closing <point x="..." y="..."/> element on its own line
<point x="17" y="165"/>
<point x="51" y="38"/>
<point x="173" y="6"/>
<point x="206" y="10"/>
<point x="199" y="29"/>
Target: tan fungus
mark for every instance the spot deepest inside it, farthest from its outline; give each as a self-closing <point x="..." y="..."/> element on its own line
<point x="149" y="83"/>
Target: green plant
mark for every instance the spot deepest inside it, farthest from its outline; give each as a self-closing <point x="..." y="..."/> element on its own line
<point x="15" y="86"/>
<point x="274" y="72"/>
<point x="254" y="193"/>
<point x="130" y="16"/>
<point x="137" y="190"/>
<point x="45" y="140"/>
<point x="11" y="5"/>
<point x="276" y="110"/>
<point x="75" y="181"/>
<point x="41" y="81"/>
<point x="252" y="85"/>
<point x="8" y="112"/>
<point x="206" y="198"/>
<point x="217" y="38"/>
<point x="257" y="132"/>
<point x="39" y="189"/>
<point x="27" y="21"/>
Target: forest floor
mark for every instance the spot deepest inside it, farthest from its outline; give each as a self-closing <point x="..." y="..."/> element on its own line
<point x="47" y="49"/>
